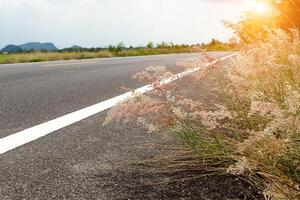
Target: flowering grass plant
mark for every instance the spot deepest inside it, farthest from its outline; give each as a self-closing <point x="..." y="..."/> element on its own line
<point x="253" y="131"/>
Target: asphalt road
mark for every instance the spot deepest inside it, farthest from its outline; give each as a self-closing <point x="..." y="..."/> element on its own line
<point x="84" y="160"/>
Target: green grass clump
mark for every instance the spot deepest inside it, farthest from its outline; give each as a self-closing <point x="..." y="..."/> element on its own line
<point x="2" y="58"/>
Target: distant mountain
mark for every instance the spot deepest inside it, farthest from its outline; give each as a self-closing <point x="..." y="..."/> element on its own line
<point x="38" y="46"/>
<point x="12" y="48"/>
<point x="35" y="46"/>
<point x="75" y="47"/>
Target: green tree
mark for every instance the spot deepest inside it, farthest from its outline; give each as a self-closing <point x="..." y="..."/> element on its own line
<point x="215" y="42"/>
<point x="117" y="48"/>
<point x="120" y="46"/>
<point x="150" y="45"/>
<point x="163" y="44"/>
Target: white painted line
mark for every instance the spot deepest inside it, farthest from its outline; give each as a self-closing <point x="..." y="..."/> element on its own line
<point x="15" y="140"/>
<point x="64" y="64"/>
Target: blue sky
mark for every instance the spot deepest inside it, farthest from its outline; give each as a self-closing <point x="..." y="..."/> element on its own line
<point x="103" y="22"/>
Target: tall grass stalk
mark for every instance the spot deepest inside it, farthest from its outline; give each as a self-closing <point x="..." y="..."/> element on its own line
<point x="254" y="129"/>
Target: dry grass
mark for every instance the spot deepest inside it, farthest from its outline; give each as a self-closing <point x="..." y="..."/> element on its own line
<point x="52" y="56"/>
<point x="254" y="131"/>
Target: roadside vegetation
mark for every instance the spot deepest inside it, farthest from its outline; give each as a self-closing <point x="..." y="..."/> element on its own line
<point x="253" y="129"/>
<point x="2" y="58"/>
<point x="112" y="51"/>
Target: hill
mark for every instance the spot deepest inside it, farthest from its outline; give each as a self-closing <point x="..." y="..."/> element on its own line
<point x="38" y="46"/>
<point x="75" y="47"/>
<point x="12" y="48"/>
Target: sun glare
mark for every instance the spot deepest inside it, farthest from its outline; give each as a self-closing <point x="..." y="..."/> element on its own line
<point x="259" y="7"/>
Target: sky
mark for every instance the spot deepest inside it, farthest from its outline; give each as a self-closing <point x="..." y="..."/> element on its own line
<point x="98" y="23"/>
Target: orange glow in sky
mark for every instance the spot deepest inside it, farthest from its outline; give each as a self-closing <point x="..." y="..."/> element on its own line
<point x="259" y="7"/>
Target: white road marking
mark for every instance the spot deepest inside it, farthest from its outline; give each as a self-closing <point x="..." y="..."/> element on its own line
<point x="17" y="139"/>
<point x="71" y="63"/>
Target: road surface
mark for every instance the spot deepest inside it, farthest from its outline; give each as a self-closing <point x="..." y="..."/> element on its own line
<point x="79" y="161"/>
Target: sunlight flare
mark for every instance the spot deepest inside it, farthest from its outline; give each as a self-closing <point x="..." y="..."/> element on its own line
<point x="259" y="7"/>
